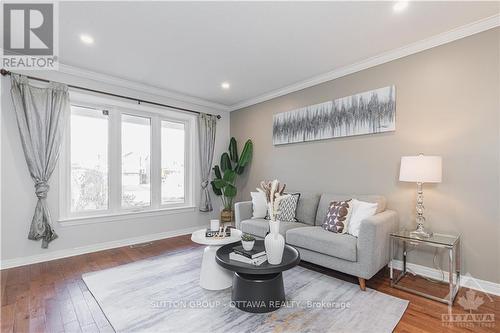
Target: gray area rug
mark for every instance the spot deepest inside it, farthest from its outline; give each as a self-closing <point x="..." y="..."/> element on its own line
<point x="162" y="294"/>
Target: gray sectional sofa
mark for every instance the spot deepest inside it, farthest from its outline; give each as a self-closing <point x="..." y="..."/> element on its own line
<point x="361" y="256"/>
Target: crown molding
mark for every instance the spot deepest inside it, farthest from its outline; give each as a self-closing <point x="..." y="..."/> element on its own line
<point x="180" y="98"/>
<point x="177" y="99"/>
<point x="422" y="45"/>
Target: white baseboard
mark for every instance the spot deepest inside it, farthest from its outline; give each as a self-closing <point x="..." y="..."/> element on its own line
<point x="9" y="263"/>
<point x="466" y="280"/>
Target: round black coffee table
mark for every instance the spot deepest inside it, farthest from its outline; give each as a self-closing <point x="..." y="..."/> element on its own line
<point x="257" y="289"/>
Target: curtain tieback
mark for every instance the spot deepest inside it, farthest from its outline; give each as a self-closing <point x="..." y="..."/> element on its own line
<point x="41" y="189"/>
<point x="204" y="184"/>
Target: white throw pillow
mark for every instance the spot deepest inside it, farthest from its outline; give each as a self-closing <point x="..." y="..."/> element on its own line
<point x="360" y="211"/>
<point x="259" y="205"/>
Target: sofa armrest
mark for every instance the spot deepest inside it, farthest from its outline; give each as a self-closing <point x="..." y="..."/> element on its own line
<point x="373" y="241"/>
<point x="242" y="211"/>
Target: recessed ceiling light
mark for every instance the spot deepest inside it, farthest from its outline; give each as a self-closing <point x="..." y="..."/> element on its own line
<point x="87" y="39"/>
<point x="225" y="85"/>
<point x="399" y="6"/>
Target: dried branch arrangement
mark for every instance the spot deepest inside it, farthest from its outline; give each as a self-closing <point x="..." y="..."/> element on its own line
<point x="273" y="191"/>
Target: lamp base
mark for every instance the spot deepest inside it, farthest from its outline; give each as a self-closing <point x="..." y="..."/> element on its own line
<point x="421" y="232"/>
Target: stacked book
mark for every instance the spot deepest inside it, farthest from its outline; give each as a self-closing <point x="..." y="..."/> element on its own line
<point x="222" y="232"/>
<point x="256" y="256"/>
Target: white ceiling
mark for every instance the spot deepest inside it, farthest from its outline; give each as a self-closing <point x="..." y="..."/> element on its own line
<point x="191" y="48"/>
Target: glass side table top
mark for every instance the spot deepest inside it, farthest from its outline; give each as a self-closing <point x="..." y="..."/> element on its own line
<point x="441" y="239"/>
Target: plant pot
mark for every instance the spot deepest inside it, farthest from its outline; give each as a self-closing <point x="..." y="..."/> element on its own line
<point x="247" y="245"/>
<point x="226" y="215"/>
<point x="274" y="243"/>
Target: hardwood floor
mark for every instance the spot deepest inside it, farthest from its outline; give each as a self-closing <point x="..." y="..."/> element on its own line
<point x="52" y="297"/>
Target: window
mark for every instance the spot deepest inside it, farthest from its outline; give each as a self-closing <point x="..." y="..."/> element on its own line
<point x="172" y="162"/>
<point x="89" y="160"/>
<point x="121" y="160"/>
<point x="136" y="161"/>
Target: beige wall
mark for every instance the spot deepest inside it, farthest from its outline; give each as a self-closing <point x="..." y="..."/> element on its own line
<point x="447" y="103"/>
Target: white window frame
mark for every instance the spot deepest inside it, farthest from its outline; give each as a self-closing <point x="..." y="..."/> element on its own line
<point x="115" y="211"/>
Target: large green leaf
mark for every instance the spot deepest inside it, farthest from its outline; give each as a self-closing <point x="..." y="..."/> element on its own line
<point x="246" y="153"/>
<point x="216" y="169"/>
<point x="230" y="191"/>
<point x="229" y="176"/>
<point x="225" y="162"/>
<point x="219" y="183"/>
<point x="233" y="150"/>
<point x="239" y="169"/>
<point x="216" y="190"/>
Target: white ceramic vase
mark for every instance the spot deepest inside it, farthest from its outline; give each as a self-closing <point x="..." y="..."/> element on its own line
<point x="274" y="243"/>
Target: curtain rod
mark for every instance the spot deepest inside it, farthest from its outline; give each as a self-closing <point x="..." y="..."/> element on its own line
<point x="5" y="72"/>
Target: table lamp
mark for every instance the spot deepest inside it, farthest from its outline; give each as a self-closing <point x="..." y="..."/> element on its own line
<point x="420" y="169"/>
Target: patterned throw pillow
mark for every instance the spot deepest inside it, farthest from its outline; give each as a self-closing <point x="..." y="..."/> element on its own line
<point x="338" y="215"/>
<point x="288" y="208"/>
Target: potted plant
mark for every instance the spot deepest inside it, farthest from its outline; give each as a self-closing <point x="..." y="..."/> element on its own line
<point x="231" y="165"/>
<point x="247" y="241"/>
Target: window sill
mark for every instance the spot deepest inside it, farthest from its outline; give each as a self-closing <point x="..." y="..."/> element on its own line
<point x="80" y="220"/>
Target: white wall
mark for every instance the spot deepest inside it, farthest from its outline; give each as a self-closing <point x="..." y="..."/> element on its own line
<point x="18" y="199"/>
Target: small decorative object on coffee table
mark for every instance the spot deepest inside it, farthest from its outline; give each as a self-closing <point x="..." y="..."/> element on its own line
<point x="214" y="225"/>
<point x="219" y="233"/>
<point x="258" y="288"/>
<point x="440" y="241"/>
<point x="247" y="241"/>
<point x="274" y="241"/>
<point x="213" y="276"/>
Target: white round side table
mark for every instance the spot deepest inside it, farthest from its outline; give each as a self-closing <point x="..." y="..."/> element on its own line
<point x="213" y="276"/>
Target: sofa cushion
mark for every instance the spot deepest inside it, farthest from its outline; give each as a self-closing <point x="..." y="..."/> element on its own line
<point x="326" y="198"/>
<point x="256" y="227"/>
<point x="307" y="207"/>
<point x="260" y="227"/>
<point x="285" y="226"/>
<point x="317" y="239"/>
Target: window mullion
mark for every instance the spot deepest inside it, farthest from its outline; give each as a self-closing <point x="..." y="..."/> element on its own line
<point x="191" y="156"/>
<point x="155" y="162"/>
<point x="115" y="180"/>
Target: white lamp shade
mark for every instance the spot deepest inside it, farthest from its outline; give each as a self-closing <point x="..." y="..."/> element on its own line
<point x="420" y="169"/>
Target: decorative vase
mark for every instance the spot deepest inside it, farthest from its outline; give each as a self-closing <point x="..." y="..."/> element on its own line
<point x="226" y="215"/>
<point x="247" y="245"/>
<point x="274" y="244"/>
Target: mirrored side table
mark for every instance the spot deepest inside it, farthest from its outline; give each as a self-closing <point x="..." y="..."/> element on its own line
<point x="448" y="242"/>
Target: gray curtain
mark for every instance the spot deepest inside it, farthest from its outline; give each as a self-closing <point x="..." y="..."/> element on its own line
<point x="207" y="125"/>
<point x="41" y="116"/>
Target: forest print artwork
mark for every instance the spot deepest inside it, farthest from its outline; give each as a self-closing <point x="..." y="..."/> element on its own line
<point x="364" y="113"/>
